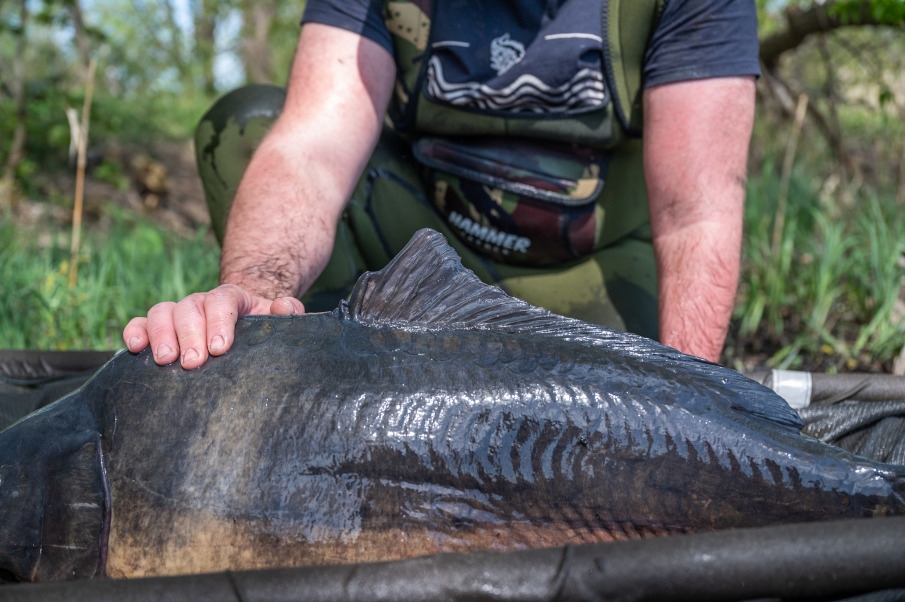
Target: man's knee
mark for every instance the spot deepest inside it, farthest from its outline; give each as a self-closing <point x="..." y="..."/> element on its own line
<point x="247" y="102"/>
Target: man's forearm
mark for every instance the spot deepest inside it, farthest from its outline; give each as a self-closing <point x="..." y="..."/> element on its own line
<point x="280" y="232"/>
<point x="279" y="237"/>
<point x="699" y="269"/>
<point x="695" y="155"/>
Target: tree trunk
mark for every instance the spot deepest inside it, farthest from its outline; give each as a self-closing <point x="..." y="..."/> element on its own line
<point x="82" y="43"/>
<point x="176" y="49"/>
<point x="205" y="42"/>
<point x="17" y="145"/>
<point x="256" y="50"/>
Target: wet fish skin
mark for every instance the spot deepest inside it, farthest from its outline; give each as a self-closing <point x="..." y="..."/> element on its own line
<point x="429" y="414"/>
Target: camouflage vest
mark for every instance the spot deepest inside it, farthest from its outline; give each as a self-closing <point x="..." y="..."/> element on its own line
<point x="523" y="184"/>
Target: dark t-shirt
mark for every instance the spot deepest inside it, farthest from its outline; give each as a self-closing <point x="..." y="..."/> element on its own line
<point x="694" y="39"/>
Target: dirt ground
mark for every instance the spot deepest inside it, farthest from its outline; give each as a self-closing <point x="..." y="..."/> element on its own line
<point x="184" y="199"/>
<point x="160" y="183"/>
<point x="165" y="186"/>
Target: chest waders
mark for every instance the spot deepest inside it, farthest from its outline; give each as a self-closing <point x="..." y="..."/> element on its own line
<point x="582" y="172"/>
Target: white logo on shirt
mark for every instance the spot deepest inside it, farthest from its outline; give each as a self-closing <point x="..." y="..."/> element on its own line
<point x="504" y="53"/>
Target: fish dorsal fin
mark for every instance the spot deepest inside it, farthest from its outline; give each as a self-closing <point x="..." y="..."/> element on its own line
<point x="427" y="285"/>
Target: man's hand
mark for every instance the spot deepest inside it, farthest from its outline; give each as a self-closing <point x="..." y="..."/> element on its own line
<point x="201" y="325"/>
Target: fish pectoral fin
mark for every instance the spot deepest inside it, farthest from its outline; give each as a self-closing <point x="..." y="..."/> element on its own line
<point x="73" y="534"/>
<point x="61" y="515"/>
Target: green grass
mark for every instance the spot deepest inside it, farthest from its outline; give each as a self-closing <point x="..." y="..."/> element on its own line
<point x="124" y="268"/>
<point x="823" y="297"/>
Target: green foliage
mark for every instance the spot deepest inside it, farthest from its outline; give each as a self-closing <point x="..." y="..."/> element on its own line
<point x="148" y="85"/>
<point x="826" y="294"/>
<point x="112" y="120"/>
<point x="283" y="38"/>
<point x="123" y="271"/>
<point x="165" y="116"/>
<point x="825" y="297"/>
<point x="112" y="173"/>
<point x="887" y="12"/>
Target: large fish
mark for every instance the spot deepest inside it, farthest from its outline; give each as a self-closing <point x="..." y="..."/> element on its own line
<point x="429" y="413"/>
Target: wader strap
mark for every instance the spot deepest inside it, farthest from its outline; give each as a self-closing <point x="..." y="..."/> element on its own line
<point x="624" y="54"/>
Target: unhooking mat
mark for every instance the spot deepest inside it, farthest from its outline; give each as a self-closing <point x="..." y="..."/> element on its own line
<point x="32" y="379"/>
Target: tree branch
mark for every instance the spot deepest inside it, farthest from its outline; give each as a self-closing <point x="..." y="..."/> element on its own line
<point x="818" y="18"/>
<point x="785" y="93"/>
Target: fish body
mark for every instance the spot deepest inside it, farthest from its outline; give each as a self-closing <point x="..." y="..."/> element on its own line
<point x="429" y="413"/>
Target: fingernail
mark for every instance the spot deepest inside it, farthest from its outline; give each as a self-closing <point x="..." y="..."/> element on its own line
<point x="163" y="350"/>
<point x="190" y="355"/>
<point x="133" y="343"/>
<point x="217" y="343"/>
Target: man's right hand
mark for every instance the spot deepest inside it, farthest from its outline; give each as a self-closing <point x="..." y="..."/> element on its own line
<point x="201" y="325"/>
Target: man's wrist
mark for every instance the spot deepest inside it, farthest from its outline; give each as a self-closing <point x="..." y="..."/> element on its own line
<point x="269" y="278"/>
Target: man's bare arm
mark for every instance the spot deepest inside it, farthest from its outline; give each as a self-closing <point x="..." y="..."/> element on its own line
<point x="695" y="157"/>
<point x="309" y="164"/>
<point x="280" y="231"/>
